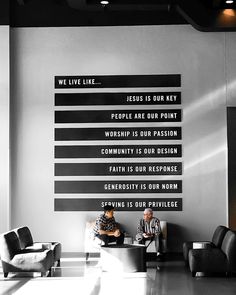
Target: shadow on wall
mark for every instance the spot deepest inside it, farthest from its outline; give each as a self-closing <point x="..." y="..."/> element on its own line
<point x="175" y="237"/>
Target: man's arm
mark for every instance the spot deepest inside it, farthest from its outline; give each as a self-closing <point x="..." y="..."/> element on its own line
<point x="140" y="232"/>
<point x="114" y="232"/>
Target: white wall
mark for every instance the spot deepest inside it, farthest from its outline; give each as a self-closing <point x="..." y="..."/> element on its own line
<point x="38" y="54"/>
<point x="4" y="129"/>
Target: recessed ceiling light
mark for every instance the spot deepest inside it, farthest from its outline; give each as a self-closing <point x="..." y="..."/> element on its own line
<point x="229" y="1"/>
<point x="104" y="2"/>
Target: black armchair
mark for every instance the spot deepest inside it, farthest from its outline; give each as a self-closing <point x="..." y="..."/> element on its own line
<point x="216" y="242"/>
<point x="215" y="260"/>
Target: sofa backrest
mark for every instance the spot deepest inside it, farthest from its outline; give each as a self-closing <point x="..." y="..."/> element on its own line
<point x="9" y="246"/>
<point x="229" y="248"/>
<point x="219" y="235"/>
<point x="24" y="236"/>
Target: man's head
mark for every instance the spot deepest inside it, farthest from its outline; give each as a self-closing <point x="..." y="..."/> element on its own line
<point x="147" y="214"/>
<point x="109" y="211"/>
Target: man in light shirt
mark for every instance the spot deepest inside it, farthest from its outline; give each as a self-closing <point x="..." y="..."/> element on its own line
<point x="149" y="229"/>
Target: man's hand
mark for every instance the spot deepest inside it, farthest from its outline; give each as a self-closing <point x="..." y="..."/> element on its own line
<point x="146" y="236"/>
<point x="117" y="233"/>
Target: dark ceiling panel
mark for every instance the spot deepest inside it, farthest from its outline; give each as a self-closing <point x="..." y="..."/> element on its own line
<point x="204" y="15"/>
<point x="41" y="13"/>
<point x="4" y="12"/>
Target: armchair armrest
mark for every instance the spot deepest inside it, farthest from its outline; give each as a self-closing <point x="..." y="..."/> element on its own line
<point x="202" y="245"/>
<point x="195" y="245"/>
<point x="207" y="260"/>
<point x="38" y="246"/>
<point x="43" y="245"/>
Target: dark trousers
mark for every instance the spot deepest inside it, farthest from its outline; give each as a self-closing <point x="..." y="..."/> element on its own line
<point x="158" y="242"/>
<point x="109" y="239"/>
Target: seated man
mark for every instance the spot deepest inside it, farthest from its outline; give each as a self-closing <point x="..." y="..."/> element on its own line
<point x="149" y="229"/>
<point x="106" y="228"/>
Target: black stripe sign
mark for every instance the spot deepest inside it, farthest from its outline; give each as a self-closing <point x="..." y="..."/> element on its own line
<point x="114" y="81"/>
<point x="118" y="151"/>
<point x="116" y="187"/>
<point x="122" y="98"/>
<point x="142" y="133"/>
<point x="117" y="116"/>
<point x="84" y="117"/>
<point x="125" y="204"/>
<point x="84" y="169"/>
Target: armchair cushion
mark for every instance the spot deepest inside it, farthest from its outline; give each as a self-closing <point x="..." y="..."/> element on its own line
<point x="25" y="237"/>
<point x="91" y="243"/>
<point x="229" y="248"/>
<point x="32" y="261"/>
<point x="219" y="235"/>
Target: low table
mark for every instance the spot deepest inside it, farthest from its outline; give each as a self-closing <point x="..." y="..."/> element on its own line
<point x="123" y="258"/>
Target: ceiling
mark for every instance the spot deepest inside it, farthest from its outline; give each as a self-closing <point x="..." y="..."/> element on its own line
<point x="203" y="15"/>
